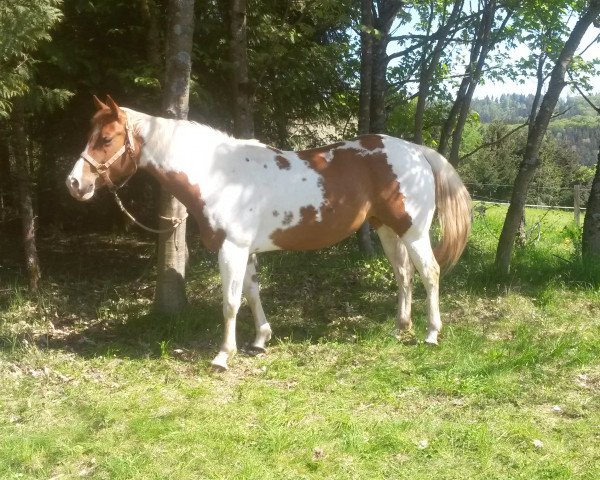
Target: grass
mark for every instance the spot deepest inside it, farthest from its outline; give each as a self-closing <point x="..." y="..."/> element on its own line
<point x="94" y="385"/>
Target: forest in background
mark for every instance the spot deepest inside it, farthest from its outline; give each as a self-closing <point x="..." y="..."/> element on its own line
<point x="577" y="127"/>
<point x="315" y="71"/>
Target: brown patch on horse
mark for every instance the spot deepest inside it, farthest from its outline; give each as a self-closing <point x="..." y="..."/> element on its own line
<point x="370" y="142"/>
<point x="355" y="186"/>
<point x="179" y="185"/>
<point x="282" y="162"/>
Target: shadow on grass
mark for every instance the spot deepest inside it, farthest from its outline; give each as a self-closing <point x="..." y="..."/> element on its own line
<point x="98" y="292"/>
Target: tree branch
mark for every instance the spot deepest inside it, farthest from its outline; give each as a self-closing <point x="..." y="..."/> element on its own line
<point x="496" y="142"/>
<point x="514" y="130"/>
<point x="586" y="98"/>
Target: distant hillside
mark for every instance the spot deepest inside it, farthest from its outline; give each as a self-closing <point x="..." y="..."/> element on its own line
<point x="578" y="127"/>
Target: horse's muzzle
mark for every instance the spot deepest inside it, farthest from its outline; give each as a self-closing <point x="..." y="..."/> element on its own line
<point x="78" y="191"/>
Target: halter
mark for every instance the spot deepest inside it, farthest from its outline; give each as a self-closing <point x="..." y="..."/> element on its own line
<point x="102" y="168"/>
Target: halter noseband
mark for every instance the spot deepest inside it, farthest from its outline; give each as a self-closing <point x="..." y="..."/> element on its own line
<point x="102" y="168"/>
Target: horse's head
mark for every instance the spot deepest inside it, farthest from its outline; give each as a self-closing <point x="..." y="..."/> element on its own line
<point x="110" y="156"/>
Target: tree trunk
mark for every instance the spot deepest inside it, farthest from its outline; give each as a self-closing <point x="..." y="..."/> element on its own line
<point x="18" y="147"/>
<point x="538" y="90"/>
<point x="365" y="241"/>
<point x="536" y="134"/>
<point x="170" y="297"/>
<point x="243" y="125"/>
<point x="379" y="86"/>
<point x="387" y="12"/>
<point x="590" y="240"/>
<point x="6" y="187"/>
<point x="150" y="16"/>
<point x="281" y="122"/>
<point x="366" y="67"/>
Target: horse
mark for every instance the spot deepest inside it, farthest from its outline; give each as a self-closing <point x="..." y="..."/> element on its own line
<point x="248" y="198"/>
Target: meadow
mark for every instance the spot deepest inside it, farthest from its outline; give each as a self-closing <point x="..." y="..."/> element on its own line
<point x="93" y="384"/>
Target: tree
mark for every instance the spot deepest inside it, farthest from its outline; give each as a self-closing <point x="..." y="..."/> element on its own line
<point x="364" y="109"/>
<point x="590" y="239"/>
<point x="18" y="153"/>
<point x="485" y="39"/>
<point x="376" y="21"/>
<point x="170" y="297"/>
<point x="24" y="25"/>
<point x="385" y="12"/>
<point x="243" y="124"/>
<point x="536" y="134"/>
<point x="366" y="66"/>
<point x="430" y="58"/>
<point x="302" y="68"/>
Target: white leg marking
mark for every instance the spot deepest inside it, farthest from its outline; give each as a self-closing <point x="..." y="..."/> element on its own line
<point x="232" y="264"/>
<point x="252" y="294"/>
<point x="397" y="254"/>
<point x="424" y="261"/>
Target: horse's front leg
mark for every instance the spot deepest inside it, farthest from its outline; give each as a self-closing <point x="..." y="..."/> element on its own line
<point x="232" y="264"/>
<point x="252" y="294"/>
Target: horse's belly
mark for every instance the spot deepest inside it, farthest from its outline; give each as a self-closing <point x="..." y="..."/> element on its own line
<point x="319" y="229"/>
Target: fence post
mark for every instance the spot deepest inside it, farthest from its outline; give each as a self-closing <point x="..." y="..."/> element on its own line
<point x="576" y="205"/>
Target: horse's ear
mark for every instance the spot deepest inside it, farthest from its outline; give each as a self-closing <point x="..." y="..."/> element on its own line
<point x="113" y="105"/>
<point x="99" y="104"/>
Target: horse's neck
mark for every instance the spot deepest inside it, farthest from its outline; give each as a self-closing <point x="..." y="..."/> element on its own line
<point x="176" y="145"/>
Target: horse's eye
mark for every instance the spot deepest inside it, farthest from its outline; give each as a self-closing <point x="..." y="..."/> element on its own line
<point x="106" y="140"/>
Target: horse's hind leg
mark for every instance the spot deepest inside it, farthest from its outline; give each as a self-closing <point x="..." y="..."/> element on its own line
<point x="421" y="254"/>
<point x="403" y="271"/>
<point x="252" y="294"/>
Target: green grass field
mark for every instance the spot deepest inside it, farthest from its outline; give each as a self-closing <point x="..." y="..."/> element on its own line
<point x="93" y="385"/>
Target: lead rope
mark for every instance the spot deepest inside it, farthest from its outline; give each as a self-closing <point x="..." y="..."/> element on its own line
<point x="175" y="221"/>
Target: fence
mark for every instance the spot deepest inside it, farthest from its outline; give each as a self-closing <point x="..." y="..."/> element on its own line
<point x="580" y="194"/>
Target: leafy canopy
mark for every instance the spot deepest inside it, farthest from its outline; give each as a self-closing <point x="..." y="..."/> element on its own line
<point x="24" y="25"/>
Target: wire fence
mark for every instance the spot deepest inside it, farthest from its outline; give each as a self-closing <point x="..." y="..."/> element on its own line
<point x="500" y="194"/>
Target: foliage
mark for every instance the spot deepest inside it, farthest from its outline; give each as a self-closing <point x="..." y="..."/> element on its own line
<point x="490" y="172"/>
<point x="24" y="25"/>
<point x="577" y="127"/>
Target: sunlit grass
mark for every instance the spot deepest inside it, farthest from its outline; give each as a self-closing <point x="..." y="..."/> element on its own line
<point x="94" y="385"/>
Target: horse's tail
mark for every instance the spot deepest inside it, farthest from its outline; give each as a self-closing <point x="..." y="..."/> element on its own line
<point x="453" y="204"/>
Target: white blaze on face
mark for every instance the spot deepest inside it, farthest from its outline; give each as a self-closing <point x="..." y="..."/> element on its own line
<point x="79" y="187"/>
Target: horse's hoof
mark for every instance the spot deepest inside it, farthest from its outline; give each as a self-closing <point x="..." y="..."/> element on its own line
<point x="218" y="368"/>
<point x="256" y="350"/>
<point x="406" y="337"/>
<point x="219" y="364"/>
<point x="432" y="338"/>
<point x="253" y="350"/>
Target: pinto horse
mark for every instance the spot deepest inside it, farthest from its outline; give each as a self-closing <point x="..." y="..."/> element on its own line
<point x="248" y="198"/>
